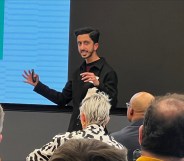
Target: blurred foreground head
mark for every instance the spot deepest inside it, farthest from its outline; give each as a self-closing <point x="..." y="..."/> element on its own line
<point x="88" y="150"/>
<point x="162" y="133"/>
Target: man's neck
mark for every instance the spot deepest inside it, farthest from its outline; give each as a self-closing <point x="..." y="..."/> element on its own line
<point x="93" y="58"/>
<point x="137" y="117"/>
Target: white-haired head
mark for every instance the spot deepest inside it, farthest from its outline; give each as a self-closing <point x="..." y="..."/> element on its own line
<point x="96" y="108"/>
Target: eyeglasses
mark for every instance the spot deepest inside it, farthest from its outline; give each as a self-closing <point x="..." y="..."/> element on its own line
<point x="127" y="104"/>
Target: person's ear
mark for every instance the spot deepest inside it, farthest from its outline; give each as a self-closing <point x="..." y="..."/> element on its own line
<point x="1" y="137"/>
<point x="106" y="122"/>
<point x="83" y="120"/>
<point x="140" y="134"/>
<point x="131" y="111"/>
<point x="96" y="46"/>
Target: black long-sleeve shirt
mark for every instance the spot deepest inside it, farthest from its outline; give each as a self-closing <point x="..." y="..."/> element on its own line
<point x="75" y="89"/>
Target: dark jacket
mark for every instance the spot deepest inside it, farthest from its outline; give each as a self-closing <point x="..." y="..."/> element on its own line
<point x="129" y="137"/>
<point x="75" y="89"/>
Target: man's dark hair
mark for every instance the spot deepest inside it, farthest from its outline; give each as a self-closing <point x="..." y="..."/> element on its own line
<point x="88" y="150"/>
<point x="163" y="127"/>
<point x="94" y="34"/>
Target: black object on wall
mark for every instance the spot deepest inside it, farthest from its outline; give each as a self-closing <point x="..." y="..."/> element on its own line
<point x="142" y="39"/>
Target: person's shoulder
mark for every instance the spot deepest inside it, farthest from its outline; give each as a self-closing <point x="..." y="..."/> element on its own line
<point x="70" y="135"/>
<point x="118" y="134"/>
<point x="115" y="133"/>
<point x="104" y="61"/>
<point x="122" y="133"/>
<point x="62" y="135"/>
<point x="114" y="142"/>
<point x="106" y="64"/>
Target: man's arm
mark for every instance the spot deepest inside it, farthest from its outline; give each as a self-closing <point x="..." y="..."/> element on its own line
<point x="60" y="98"/>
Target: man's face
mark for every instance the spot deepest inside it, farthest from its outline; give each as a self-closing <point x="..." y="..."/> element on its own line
<point x="86" y="46"/>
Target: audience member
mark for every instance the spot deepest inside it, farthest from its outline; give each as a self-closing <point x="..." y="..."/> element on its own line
<point x="162" y="134"/>
<point x="94" y="115"/>
<point x="136" y="108"/>
<point x="88" y="150"/>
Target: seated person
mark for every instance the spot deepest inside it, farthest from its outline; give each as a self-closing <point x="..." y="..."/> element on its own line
<point x="162" y="134"/>
<point x="88" y="149"/>
<point x="129" y="135"/>
<point x="94" y="115"/>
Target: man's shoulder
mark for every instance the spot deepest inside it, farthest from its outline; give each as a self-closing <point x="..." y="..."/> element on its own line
<point x="105" y="63"/>
<point x="126" y="131"/>
<point x="120" y="132"/>
<point x="71" y="135"/>
<point x="107" y="68"/>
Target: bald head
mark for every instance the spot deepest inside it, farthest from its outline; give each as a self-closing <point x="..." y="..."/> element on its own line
<point x="138" y="105"/>
<point x="141" y="101"/>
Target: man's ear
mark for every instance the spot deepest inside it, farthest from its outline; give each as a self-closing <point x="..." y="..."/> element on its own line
<point x="131" y="111"/>
<point x="96" y="46"/>
<point x="1" y="137"/>
<point x="140" y="134"/>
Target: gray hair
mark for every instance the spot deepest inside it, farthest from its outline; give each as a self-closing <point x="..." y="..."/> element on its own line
<point x="1" y="118"/>
<point x="88" y="150"/>
<point x="96" y="108"/>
